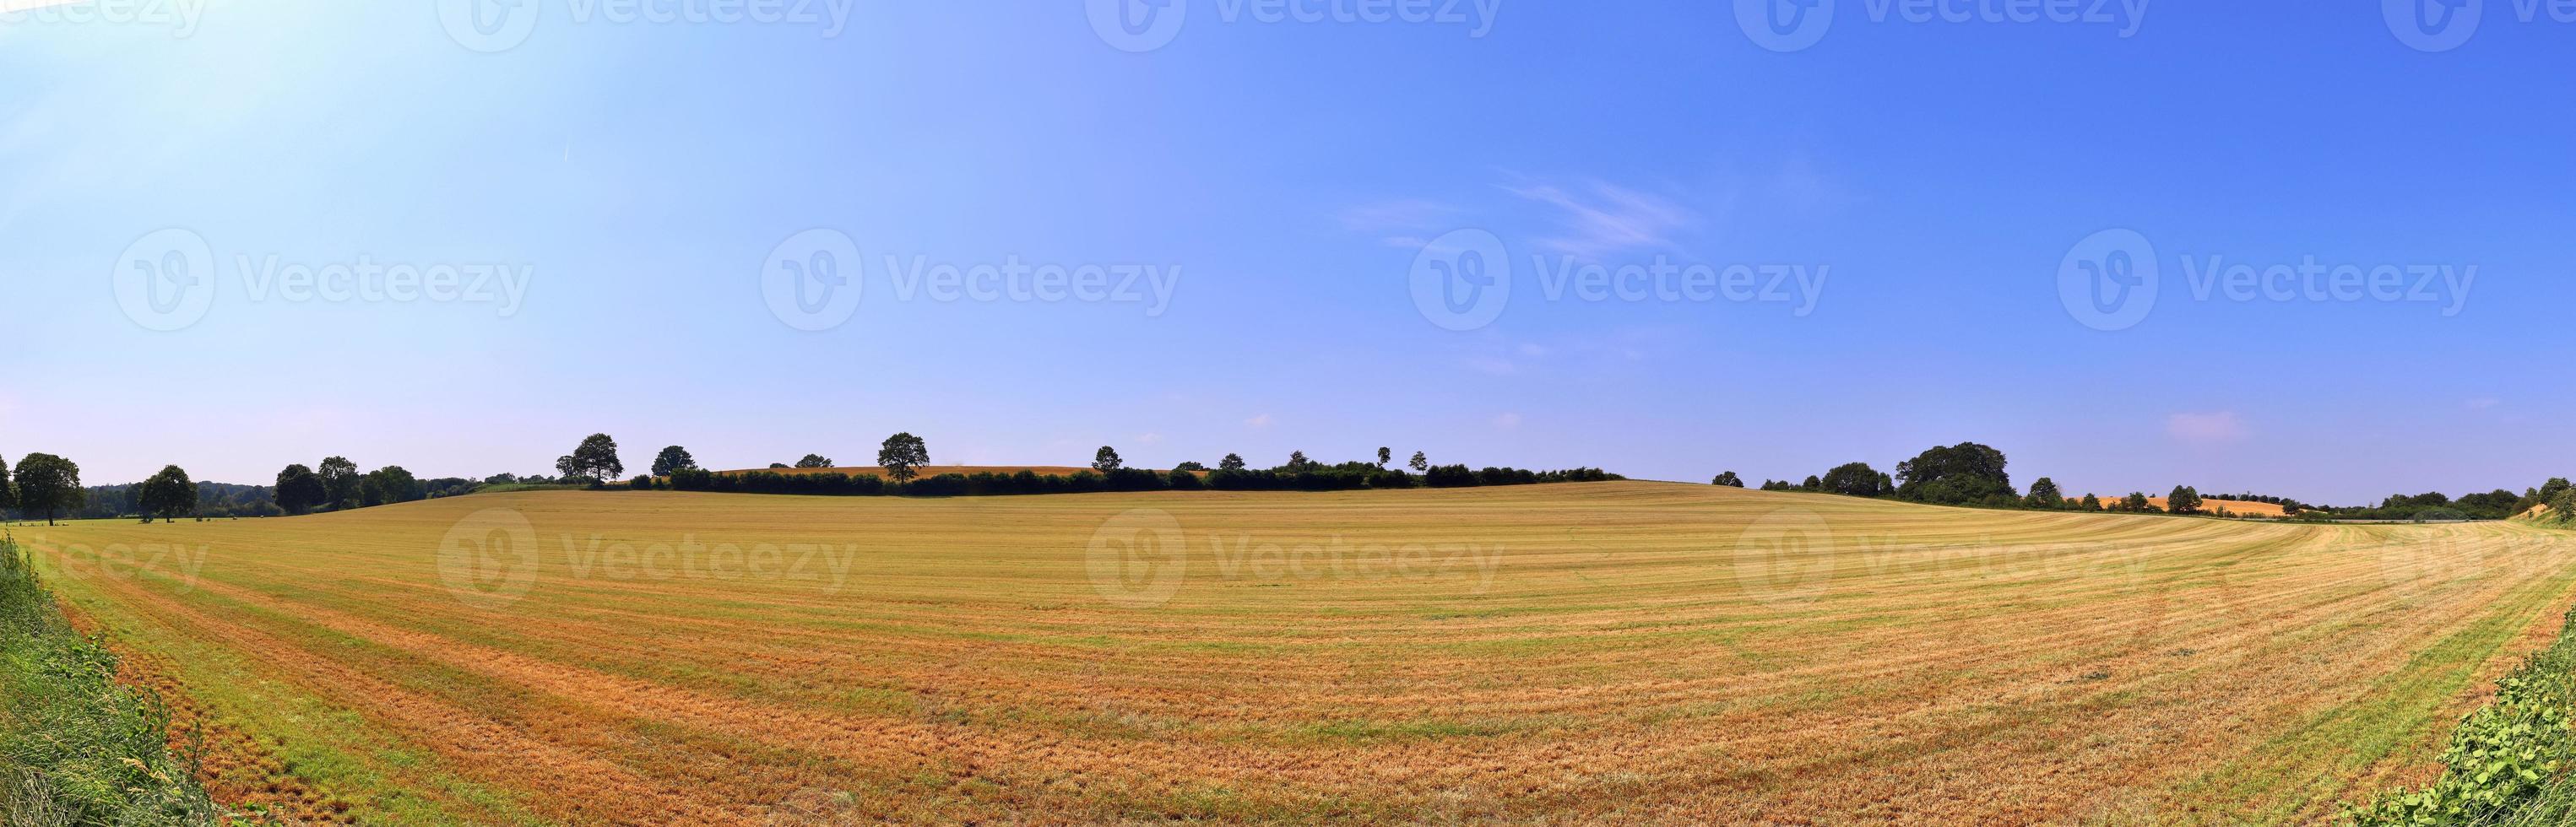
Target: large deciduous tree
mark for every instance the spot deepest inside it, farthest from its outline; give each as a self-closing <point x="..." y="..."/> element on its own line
<point x="168" y="495"/>
<point x="8" y="491"/>
<point x="1854" y="480"/>
<point x="817" y="461"/>
<point x="903" y="455"/>
<point x="2044" y="494"/>
<point x="339" y="481"/>
<point x="1107" y="460"/>
<point x="1962" y="473"/>
<point x="1420" y="463"/>
<point x="2184" y="500"/>
<point x="48" y="485"/>
<point x="300" y="490"/>
<point x="1231" y="462"/>
<point x="1728" y="479"/>
<point x="594" y="459"/>
<point x="673" y="458"/>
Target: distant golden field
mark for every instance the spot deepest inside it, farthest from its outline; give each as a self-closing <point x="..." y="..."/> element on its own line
<point x="1610" y="652"/>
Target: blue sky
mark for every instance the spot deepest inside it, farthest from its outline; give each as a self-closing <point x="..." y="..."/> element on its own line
<point x="1285" y="178"/>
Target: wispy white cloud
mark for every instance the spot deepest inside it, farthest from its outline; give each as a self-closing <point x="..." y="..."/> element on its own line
<point x="1507" y="421"/>
<point x="1600" y="218"/>
<point x="2215" y="428"/>
<point x="1257" y="421"/>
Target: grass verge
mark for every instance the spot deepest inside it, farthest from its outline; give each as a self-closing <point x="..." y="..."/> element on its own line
<point x="76" y="747"/>
<point x="2508" y="762"/>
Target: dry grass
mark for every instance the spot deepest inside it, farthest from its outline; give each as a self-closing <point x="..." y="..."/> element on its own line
<point x="926" y="470"/>
<point x="1630" y="652"/>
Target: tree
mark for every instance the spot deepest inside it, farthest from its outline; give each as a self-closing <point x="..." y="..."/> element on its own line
<point x="168" y="495"/>
<point x="2044" y="495"/>
<point x="1420" y="463"/>
<point x="1384" y="456"/>
<point x="1106" y="460"/>
<point x="1728" y="479"/>
<point x="1297" y="461"/>
<point x="1962" y="473"/>
<point x="1813" y="483"/>
<point x="595" y="459"/>
<point x="48" y="485"/>
<point x="2183" y="500"/>
<point x="817" y="461"/>
<point x="8" y="492"/>
<point x="673" y="458"/>
<point x="391" y="484"/>
<point x="2136" y="503"/>
<point x="300" y="490"/>
<point x="1231" y="462"/>
<point x="1855" y="479"/>
<point x="339" y="481"/>
<point x="2091" y="503"/>
<point x="1192" y="465"/>
<point x="2562" y="506"/>
<point x="903" y="455"/>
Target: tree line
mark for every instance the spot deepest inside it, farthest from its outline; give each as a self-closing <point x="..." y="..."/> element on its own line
<point x="1970" y="474"/>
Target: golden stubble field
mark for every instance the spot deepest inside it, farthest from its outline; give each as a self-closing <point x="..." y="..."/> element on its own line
<point x="1611" y="652"/>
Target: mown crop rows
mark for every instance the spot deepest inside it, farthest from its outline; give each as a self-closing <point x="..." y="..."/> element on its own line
<point x="1629" y="651"/>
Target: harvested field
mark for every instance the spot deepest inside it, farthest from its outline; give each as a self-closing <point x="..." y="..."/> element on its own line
<point x="1629" y="652"/>
<point x="926" y="470"/>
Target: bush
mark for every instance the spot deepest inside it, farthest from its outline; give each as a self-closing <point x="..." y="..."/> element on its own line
<point x="640" y="483"/>
<point x="2508" y="761"/>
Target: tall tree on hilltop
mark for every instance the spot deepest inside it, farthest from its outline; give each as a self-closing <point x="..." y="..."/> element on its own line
<point x="339" y="481"/>
<point x="673" y="458"/>
<point x="300" y="490"/>
<point x="903" y="455"/>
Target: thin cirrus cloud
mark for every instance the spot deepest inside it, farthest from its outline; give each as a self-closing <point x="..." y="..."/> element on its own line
<point x="2215" y="428"/>
<point x="1601" y="218"/>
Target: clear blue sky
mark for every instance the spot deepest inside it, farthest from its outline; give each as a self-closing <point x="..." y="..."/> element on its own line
<point x="643" y="173"/>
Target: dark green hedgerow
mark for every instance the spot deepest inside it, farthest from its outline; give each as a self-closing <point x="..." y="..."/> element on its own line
<point x="76" y="747"/>
<point x="2509" y="762"/>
